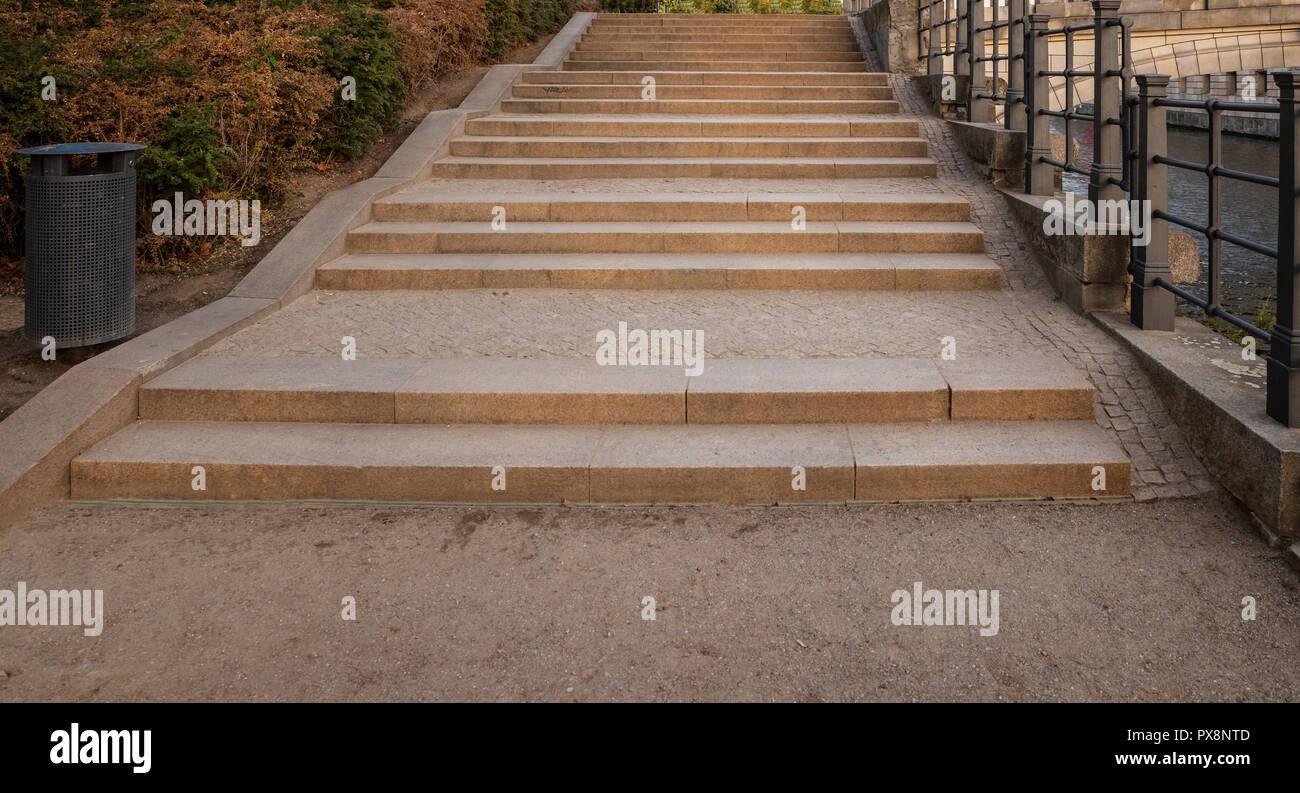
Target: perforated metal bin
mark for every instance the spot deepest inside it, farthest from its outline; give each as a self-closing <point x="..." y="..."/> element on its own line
<point x="80" y="269"/>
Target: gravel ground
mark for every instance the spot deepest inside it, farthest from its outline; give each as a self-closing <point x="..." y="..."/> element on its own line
<point x="1125" y="601"/>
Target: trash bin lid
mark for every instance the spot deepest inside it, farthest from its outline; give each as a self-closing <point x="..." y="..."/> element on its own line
<point x="80" y="148"/>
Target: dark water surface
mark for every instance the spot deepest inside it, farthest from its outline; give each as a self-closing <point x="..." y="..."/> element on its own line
<point x="1247" y="279"/>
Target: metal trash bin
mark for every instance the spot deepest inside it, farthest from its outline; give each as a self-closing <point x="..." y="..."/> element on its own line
<point x="80" y="257"/>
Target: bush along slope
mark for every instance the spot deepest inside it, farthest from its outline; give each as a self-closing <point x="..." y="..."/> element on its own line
<point x="231" y="96"/>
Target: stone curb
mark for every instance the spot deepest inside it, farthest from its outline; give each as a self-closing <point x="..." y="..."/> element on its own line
<point x="1199" y="375"/>
<point x="100" y="396"/>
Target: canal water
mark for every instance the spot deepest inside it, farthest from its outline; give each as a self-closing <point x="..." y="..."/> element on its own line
<point x="1247" y="280"/>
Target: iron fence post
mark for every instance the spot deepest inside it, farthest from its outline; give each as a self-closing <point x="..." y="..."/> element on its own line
<point x="961" y="53"/>
<point x="1107" y="138"/>
<point x="933" y="61"/>
<point x="977" y="110"/>
<point x="1040" y="178"/>
<point x="1151" y="307"/>
<point x="922" y="4"/>
<point x="1013" y="112"/>
<point x="1283" y="398"/>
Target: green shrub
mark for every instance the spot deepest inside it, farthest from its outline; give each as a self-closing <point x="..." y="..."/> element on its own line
<point x="629" y="6"/>
<point x="515" y="22"/>
<point x="188" y="156"/>
<point x="362" y="46"/>
<point x="25" y="119"/>
<point x="821" y="7"/>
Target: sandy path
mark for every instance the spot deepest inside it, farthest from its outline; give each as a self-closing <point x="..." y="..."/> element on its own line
<point x="1130" y="601"/>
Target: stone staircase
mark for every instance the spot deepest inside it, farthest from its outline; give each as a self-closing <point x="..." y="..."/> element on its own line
<point x="767" y="159"/>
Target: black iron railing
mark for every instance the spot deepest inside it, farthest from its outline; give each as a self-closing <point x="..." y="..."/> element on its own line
<point x="1130" y="155"/>
<point x="1111" y="118"/>
<point x="983" y="91"/>
<point x="936" y="33"/>
<point x="958" y="30"/>
<point x="1152" y="305"/>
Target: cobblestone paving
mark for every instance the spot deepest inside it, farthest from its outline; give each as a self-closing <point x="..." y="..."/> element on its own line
<point x="542" y="323"/>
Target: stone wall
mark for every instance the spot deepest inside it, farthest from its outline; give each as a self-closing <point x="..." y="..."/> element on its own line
<point x="1184" y="14"/>
<point x="891" y="27"/>
<point x="1227" y="87"/>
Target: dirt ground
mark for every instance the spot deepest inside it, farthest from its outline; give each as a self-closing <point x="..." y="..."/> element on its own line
<point x="1114" y="602"/>
<point x="162" y="297"/>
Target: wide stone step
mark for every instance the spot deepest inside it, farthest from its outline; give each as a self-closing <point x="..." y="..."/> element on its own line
<point x="773" y="24"/>
<point x="718" y="29"/>
<point x="668" y="237"/>
<point x="594" y="77"/>
<point x="703" y="39"/>
<point x="728" y="92"/>
<point x="842" y="40"/>
<point x="698" y="106"/>
<point x="608" y="147"/>
<point x="760" y="464"/>
<point x="836" y="48"/>
<point x="641" y="32"/>
<point x="683" y="167"/>
<point x="417" y="391"/>
<point x="734" y="127"/>
<point x="435" y="203"/>
<point x="760" y="22"/>
<point x="707" y="65"/>
<point x="838" y="271"/>
<point x="660" y="390"/>
<point x="783" y="23"/>
<point x="749" y="55"/>
<point x="655" y="18"/>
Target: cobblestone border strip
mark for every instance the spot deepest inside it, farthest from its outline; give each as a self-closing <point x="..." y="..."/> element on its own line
<point x="100" y="396"/>
<point x="1126" y="402"/>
